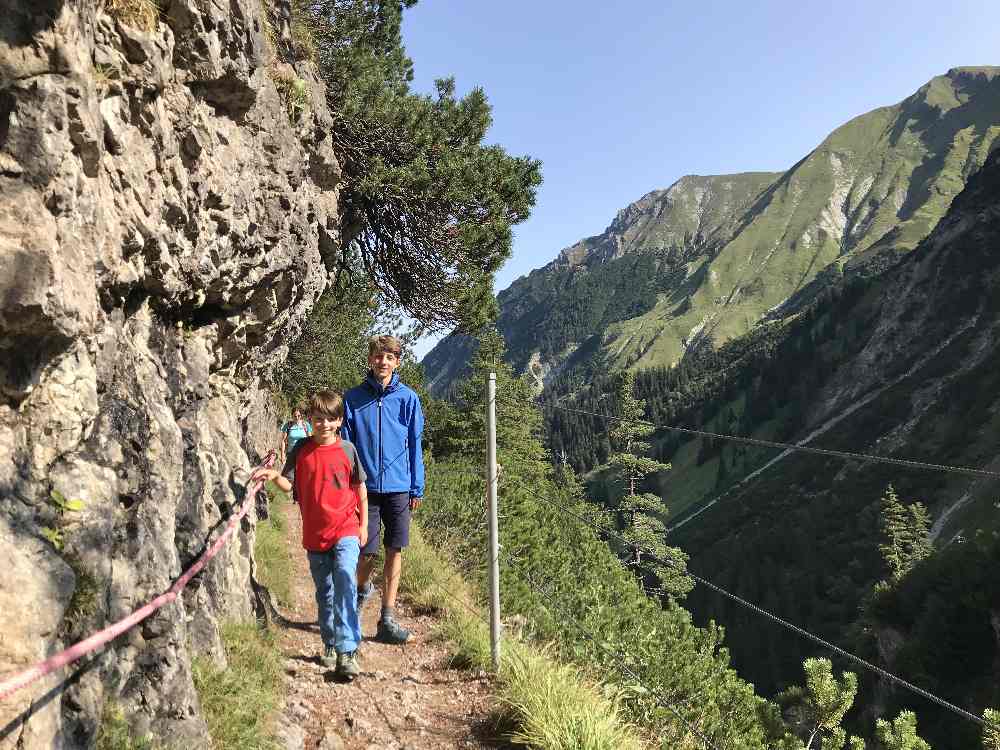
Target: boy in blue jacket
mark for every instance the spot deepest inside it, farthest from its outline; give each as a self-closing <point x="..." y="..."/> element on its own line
<point x="383" y="419"/>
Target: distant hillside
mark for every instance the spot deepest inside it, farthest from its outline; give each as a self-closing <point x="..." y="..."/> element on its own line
<point x="906" y="364"/>
<point x="707" y="259"/>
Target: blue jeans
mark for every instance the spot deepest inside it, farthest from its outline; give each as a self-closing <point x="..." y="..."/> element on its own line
<point x="335" y="574"/>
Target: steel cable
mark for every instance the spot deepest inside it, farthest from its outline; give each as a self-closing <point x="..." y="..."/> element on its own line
<point x="981" y="473"/>
<point x="774" y="618"/>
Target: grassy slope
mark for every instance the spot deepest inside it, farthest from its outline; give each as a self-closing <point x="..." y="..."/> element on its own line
<point x="881" y="181"/>
<point x="240" y="700"/>
<point x="546" y="704"/>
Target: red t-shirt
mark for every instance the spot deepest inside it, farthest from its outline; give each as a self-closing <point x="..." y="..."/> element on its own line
<point x="325" y="481"/>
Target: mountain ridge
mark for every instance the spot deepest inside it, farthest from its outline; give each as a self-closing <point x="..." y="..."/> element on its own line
<point x="871" y="190"/>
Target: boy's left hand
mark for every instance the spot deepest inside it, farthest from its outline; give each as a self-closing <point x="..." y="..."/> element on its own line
<point x="268" y="475"/>
<point x="363" y="534"/>
<point x="415" y="502"/>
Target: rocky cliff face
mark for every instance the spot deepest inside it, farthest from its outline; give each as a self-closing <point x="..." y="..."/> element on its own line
<point x="166" y="221"/>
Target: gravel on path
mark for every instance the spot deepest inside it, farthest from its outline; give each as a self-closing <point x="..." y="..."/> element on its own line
<point x="406" y="698"/>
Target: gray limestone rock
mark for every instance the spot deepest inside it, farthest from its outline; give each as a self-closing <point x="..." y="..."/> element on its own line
<point x="164" y="230"/>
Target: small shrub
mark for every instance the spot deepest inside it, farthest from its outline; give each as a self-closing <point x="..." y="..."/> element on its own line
<point x="55" y="537"/>
<point x="59" y="500"/>
<point x="294" y="92"/>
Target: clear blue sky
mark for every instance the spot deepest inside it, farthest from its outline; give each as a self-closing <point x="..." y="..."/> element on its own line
<point x="618" y="99"/>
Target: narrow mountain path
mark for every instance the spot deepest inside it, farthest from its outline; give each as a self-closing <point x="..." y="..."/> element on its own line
<point x="406" y="698"/>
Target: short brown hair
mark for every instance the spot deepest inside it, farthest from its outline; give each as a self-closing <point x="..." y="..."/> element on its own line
<point x="378" y="344"/>
<point x="327" y="403"/>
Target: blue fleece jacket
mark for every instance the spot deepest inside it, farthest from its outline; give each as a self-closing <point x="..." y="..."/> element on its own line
<point x="385" y="425"/>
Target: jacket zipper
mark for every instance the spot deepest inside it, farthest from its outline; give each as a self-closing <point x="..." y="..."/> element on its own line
<point x="381" y="468"/>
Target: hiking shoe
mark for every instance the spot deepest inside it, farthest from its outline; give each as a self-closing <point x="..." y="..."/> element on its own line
<point x="390" y="631"/>
<point x="364" y="594"/>
<point x="347" y="665"/>
<point x="329" y="657"/>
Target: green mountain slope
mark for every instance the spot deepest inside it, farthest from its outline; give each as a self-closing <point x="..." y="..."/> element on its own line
<point x="905" y="365"/>
<point x="706" y="260"/>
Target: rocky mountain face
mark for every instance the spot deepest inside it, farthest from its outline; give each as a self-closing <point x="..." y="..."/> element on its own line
<point x="708" y="259"/>
<point x="166" y="219"/>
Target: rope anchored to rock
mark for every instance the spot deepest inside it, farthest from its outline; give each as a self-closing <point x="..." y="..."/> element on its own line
<point x="24" y="678"/>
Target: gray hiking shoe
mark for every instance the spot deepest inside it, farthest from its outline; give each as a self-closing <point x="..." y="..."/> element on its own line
<point x="347" y="665"/>
<point x="364" y="594"/>
<point x="390" y="631"/>
<point x="329" y="657"/>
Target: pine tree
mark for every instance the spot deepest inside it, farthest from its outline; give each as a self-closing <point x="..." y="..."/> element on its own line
<point x="905" y="540"/>
<point x="991" y="732"/>
<point x="427" y="204"/>
<point x="818" y="709"/>
<point x="317" y="359"/>
<point x="901" y="734"/>
<point x="640" y="513"/>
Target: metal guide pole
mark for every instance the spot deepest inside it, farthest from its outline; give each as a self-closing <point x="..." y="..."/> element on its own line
<point x="491" y="491"/>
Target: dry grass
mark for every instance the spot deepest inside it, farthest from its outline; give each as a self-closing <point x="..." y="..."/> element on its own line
<point x="546" y="704"/>
<point x="302" y="35"/>
<point x="142" y="14"/>
<point x="241" y="701"/>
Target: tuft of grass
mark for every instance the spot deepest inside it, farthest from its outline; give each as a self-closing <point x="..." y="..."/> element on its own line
<point x="240" y="701"/>
<point x="546" y="705"/>
<point x="470" y="642"/>
<point x="86" y="596"/>
<point x="303" y="31"/>
<point x="114" y="733"/>
<point x="274" y="560"/>
<point x="301" y="42"/>
<point x="555" y="708"/>
<point x="142" y="14"/>
<point x="104" y="76"/>
<point x="294" y="92"/>
<point x="268" y="24"/>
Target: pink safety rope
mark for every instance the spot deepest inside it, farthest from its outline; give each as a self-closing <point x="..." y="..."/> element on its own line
<point x="22" y="679"/>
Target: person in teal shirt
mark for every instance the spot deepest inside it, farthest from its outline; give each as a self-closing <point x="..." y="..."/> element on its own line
<point x="295" y="429"/>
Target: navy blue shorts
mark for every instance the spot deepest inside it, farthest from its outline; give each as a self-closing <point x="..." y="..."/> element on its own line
<point x="393" y="510"/>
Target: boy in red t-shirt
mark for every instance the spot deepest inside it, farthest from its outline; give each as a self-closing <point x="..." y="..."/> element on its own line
<point x="330" y="487"/>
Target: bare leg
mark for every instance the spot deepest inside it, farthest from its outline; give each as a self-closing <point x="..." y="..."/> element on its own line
<point x="365" y="567"/>
<point x="391" y="571"/>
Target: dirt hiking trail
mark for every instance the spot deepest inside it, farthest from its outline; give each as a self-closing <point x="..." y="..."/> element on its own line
<point x="406" y="698"/>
